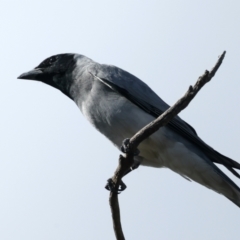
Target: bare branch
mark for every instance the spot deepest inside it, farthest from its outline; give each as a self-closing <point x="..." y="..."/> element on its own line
<point x="182" y="103"/>
<point x="113" y="198"/>
<point x="125" y="163"/>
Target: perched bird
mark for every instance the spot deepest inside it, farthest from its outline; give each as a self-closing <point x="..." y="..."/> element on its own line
<point x="119" y="104"/>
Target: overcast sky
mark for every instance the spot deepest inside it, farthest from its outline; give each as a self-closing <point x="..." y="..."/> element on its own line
<point x="54" y="164"/>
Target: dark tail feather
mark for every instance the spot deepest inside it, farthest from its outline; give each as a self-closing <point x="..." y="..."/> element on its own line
<point x="236" y="203"/>
<point x="232" y="171"/>
<point x="227" y="162"/>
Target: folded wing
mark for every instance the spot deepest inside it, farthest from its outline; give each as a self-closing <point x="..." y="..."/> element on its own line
<point x="145" y="98"/>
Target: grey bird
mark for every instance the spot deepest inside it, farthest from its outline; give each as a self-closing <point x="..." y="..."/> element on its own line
<point x="118" y="104"/>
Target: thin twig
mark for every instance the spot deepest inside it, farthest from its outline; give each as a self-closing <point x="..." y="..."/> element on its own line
<point x="113" y="198"/>
<point x="170" y="113"/>
<point x="125" y="163"/>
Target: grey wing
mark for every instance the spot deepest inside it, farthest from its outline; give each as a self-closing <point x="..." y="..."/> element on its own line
<point x="144" y="97"/>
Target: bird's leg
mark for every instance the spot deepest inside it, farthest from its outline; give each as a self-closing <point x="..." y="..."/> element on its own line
<point x="135" y="165"/>
<point x="125" y="147"/>
<point x="111" y="186"/>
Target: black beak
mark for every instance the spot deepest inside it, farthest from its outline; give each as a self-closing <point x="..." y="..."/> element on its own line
<point x="32" y="75"/>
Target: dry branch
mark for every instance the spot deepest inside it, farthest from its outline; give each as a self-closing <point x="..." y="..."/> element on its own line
<point x="125" y="163"/>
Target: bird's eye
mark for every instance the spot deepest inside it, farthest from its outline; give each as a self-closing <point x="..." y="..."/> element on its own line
<point x="47" y="62"/>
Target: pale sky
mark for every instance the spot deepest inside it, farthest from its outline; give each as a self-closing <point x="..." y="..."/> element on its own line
<point x="54" y="164"/>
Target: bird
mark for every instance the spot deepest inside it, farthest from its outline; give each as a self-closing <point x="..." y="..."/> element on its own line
<point x="118" y="104"/>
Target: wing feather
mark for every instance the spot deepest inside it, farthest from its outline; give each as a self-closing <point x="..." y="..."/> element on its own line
<point x="145" y="98"/>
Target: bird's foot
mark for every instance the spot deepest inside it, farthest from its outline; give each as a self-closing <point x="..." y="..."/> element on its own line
<point x="125" y="147"/>
<point x="111" y="186"/>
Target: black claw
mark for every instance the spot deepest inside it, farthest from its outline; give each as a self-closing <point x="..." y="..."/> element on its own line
<point x="125" y="147"/>
<point x="110" y="186"/>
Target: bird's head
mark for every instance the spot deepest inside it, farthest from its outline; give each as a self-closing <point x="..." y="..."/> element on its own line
<point x="54" y="71"/>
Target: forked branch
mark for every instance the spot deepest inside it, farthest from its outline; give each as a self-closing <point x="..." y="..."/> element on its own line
<point x="125" y="163"/>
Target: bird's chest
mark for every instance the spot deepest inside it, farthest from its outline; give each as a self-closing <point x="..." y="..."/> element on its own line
<point x="111" y="115"/>
<point x="117" y="118"/>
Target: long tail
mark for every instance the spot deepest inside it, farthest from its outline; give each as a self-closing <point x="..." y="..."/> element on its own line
<point x="227" y="162"/>
<point x="201" y="169"/>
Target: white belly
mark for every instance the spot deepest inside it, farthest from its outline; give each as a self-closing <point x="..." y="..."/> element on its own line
<point x="117" y="118"/>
